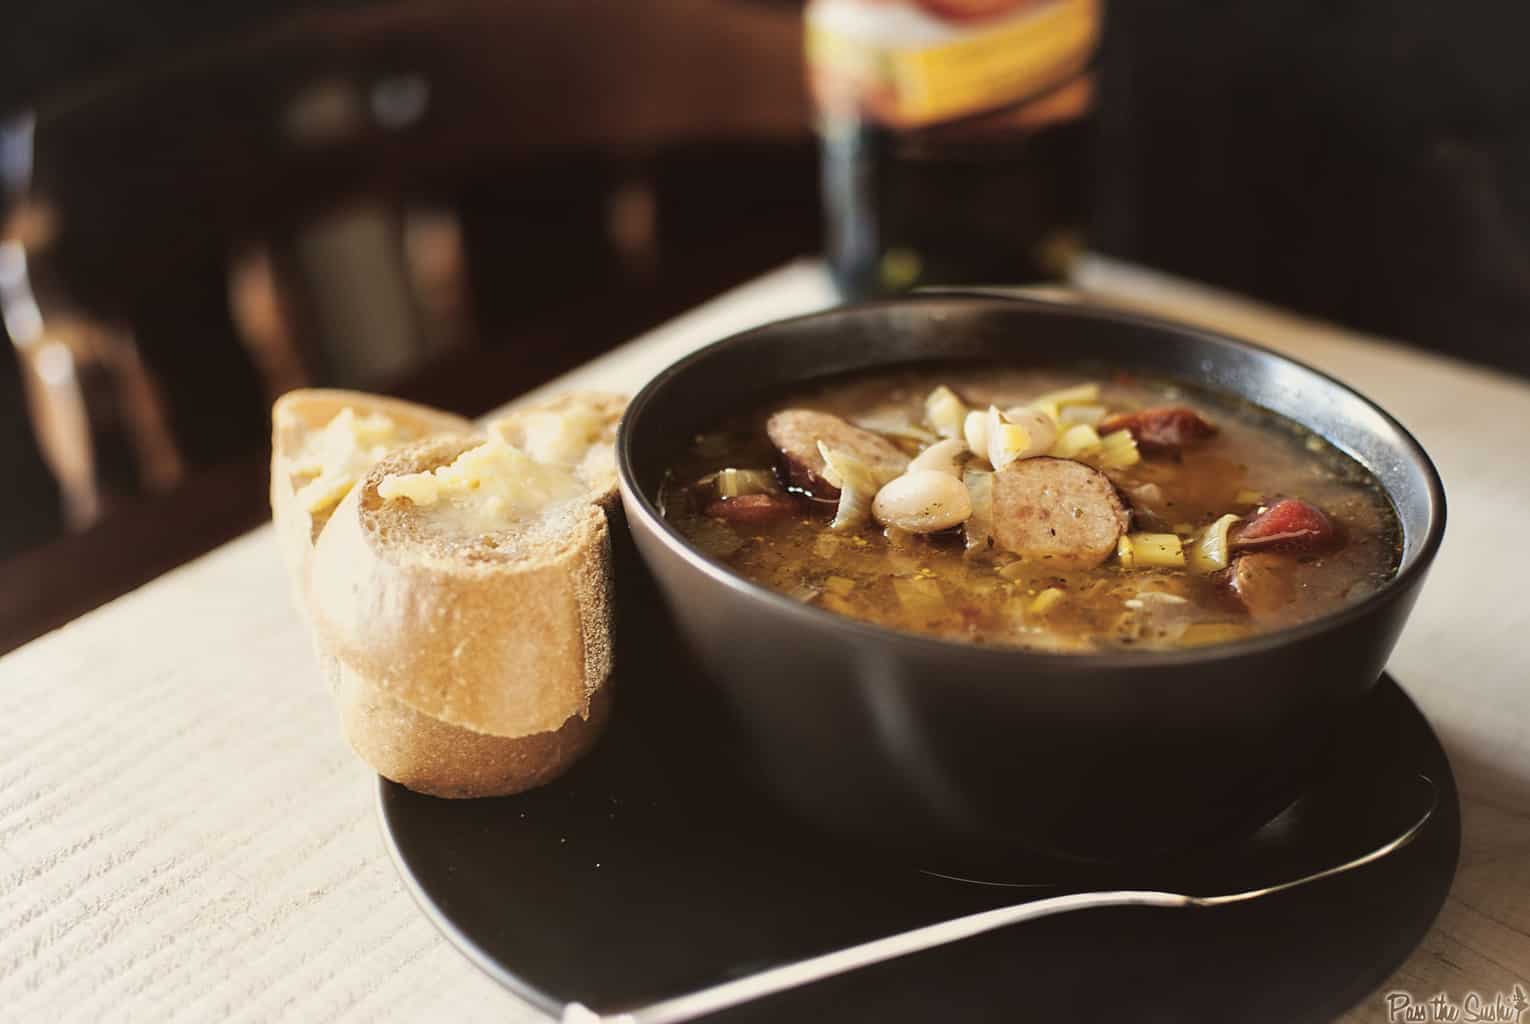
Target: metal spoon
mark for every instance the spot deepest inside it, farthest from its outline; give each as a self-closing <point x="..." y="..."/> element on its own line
<point x="1417" y="801"/>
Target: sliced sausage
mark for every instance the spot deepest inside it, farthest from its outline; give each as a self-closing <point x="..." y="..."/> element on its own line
<point x="1058" y="510"/>
<point x="1163" y="428"/>
<point x="1264" y="584"/>
<point x="1290" y="524"/>
<point x="796" y="433"/>
<point x="752" y="508"/>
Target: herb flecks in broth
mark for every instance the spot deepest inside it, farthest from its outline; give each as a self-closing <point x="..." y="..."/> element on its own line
<point x="1035" y="509"/>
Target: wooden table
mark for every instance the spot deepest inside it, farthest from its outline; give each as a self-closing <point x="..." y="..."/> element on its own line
<point x="184" y="835"/>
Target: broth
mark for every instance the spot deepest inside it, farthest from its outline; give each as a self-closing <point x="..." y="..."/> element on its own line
<point x="1134" y="563"/>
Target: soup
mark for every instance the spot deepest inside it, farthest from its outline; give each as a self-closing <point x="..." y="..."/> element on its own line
<point x="1038" y="509"/>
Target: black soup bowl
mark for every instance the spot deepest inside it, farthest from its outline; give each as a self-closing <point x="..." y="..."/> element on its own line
<point x="986" y="752"/>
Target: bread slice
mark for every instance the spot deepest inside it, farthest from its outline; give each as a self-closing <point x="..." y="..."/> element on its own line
<point x="429" y="756"/>
<point x="499" y="624"/>
<point x="375" y="694"/>
<point x="299" y="421"/>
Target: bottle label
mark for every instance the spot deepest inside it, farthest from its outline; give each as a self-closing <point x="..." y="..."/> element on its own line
<point x="913" y="63"/>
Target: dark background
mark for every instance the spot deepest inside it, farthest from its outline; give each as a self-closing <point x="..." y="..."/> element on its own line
<point x="1365" y="161"/>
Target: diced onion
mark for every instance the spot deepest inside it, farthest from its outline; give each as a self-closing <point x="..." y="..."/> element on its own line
<point x="1092" y="415"/>
<point x="978" y="530"/>
<point x="946" y="411"/>
<point x="735" y="483"/>
<point x="1050" y="410"/>
<point x="975" y="430"/>
<point x="1078" y="394"/>
<point x="1018" y="434"/>
<point x="1075" y="441"/>
<point x="1155" y="618"/>
<point x="894" y="422"/>
<point x="1209" y="554"/>
<point x="857" y="485"/>
<point x="1117" y="450"/>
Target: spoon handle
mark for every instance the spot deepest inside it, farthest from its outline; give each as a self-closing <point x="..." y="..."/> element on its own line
<point x="842" y="961"/>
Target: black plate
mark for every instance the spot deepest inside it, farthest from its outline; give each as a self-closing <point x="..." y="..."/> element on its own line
<point x="651" y="871"/>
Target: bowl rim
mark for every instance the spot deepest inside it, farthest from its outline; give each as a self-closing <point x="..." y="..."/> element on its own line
<point x="1407" y="576"/>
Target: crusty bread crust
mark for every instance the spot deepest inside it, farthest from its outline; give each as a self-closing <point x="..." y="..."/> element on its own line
<point x="429" y="756"/>
<point x="510" y="646"/>
<point x="295" y="416"/>
<point x="558" y="607"/>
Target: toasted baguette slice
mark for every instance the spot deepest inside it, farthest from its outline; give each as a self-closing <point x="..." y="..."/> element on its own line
<point x="499" y="624"/>
<point x="298" y="420"/>
<point x="399" y="741"/>
<point x="429" y="756"/>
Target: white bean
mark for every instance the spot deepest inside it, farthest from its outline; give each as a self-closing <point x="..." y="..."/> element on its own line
<point x="922" y="501"/>
<point x="942" y="456"/>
